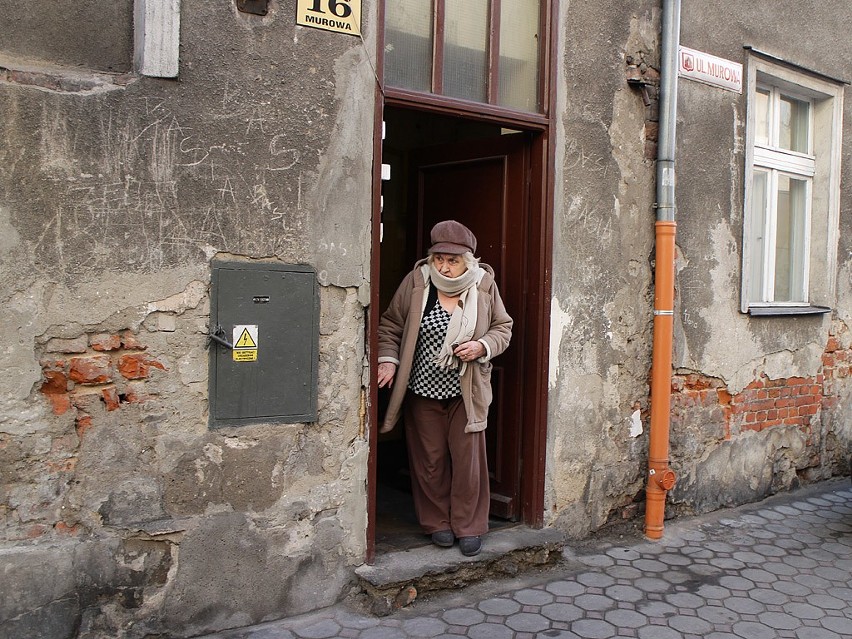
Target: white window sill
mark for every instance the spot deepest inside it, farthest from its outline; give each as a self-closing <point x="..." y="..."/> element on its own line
<point x="764" y="311"/>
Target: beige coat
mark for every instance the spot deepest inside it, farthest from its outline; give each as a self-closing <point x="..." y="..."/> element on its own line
<point x="400" y="326"/>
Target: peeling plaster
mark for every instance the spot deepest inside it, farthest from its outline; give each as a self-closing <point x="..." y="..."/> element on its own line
<point x="559" y="321"/>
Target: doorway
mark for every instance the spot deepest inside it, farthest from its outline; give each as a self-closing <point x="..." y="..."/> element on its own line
<point x="490" y="178"/>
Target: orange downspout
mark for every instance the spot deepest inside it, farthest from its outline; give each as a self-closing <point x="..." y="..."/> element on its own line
<point x="661" y="478"/>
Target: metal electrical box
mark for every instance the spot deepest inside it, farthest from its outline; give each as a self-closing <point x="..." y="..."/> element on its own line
<point x="264" y="346"/>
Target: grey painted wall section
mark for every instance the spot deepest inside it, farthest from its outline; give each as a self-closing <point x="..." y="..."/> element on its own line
<point x="603" y="273"/>
<point x="123" y="514"/>
<point x="96" y="34"/>
<point x="714" y="338"/>
<point x="603" y="236"/>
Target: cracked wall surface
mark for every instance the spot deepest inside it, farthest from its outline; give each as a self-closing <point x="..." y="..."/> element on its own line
<point x="727" y="445"/>
<point x="603" y="241"/>
<point x="116" y="193"/>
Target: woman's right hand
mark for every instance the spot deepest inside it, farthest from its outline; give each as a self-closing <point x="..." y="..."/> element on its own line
<point x="387" y="370"/>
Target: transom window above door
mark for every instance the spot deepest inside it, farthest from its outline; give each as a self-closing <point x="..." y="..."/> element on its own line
<point x="486" y="51"/>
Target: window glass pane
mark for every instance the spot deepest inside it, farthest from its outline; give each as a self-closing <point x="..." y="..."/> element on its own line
<point x="465" y="46"/>
<point x="762" y="117"/>
<point x="408" y="44"/>
<point x="793" y="127"/>
<point x="519" y="38"/>
<point x="757" y="217"/>
<point x="790" y="239"/>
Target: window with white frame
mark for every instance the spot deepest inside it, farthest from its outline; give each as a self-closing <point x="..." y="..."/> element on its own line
<point x="792" y="190"/>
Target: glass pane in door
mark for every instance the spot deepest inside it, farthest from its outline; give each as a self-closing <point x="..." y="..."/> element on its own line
<point x="790" y="231"/>
<point x="408" y="44"/>
<point x="520" y="23"/>
<point x="465" y="49"/>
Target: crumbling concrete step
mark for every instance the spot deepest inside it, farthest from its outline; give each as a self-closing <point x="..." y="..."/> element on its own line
<point x="396" y="578"/>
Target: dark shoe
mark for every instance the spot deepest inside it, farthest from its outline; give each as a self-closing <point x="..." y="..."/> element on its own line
<point x="470" y="546"/>
<point x="443" y="538"/>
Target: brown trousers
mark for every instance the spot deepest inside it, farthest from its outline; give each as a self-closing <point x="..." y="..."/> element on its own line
<point x="449" y="467"/>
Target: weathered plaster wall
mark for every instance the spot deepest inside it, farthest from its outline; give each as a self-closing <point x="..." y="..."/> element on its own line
<point x="122" y="513"/>
<point x="778" y="409"/>
<point x="758" y="403"/>
<point x="95" y="34"/>
<point x="603" y="237"/>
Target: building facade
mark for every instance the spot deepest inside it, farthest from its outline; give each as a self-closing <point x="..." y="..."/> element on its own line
<point x="265" y="172"/>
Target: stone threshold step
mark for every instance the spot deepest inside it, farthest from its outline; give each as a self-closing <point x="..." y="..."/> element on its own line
<point x="396" y="578"/>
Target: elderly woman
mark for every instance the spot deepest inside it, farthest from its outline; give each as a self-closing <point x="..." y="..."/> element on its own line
<point x="436" y="340"/>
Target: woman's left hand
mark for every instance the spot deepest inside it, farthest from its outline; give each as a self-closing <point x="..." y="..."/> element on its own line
<point x="469" y="351"/>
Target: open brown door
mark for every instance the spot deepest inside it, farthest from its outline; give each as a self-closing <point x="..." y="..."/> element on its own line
<point x="484" y="185"/>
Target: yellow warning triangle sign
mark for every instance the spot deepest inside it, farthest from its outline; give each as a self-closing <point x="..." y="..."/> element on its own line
<point x="245" y="340"/>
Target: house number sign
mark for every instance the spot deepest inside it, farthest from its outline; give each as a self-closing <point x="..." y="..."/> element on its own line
<point x="342" y="16"/>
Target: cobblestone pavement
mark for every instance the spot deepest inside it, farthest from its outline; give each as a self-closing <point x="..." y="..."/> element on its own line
<point x="781" y="568"/>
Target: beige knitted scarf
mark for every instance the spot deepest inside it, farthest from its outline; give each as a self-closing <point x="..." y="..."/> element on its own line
<point x="463" y="319"/>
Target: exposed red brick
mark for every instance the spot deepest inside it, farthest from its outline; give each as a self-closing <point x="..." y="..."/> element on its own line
<point x="105" y="341"/>
<point x="54" y="382"/>
<point x="131" y="341"/>
<point x="652" y="130"/>
<point x="82" y="424"/>
<point x="694" y="382"/>
<point x="137" y="365"/>
<point x="60" y="403"/>
<point x="65" y="529"/>
<point x="832" y="345"/>
<point x="37" y="530"/>
<point x="111" y="399"/>
<point x="95" y="369"/>
<point x="64" y="466"/>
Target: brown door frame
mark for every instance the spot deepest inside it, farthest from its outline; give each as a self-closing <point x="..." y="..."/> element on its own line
<point x="533" y="440"/>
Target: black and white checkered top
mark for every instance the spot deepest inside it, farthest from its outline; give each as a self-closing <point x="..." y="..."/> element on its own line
<point x="427" y="379"/>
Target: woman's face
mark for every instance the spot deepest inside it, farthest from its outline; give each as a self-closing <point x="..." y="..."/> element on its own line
<point x="448" y="265"/>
